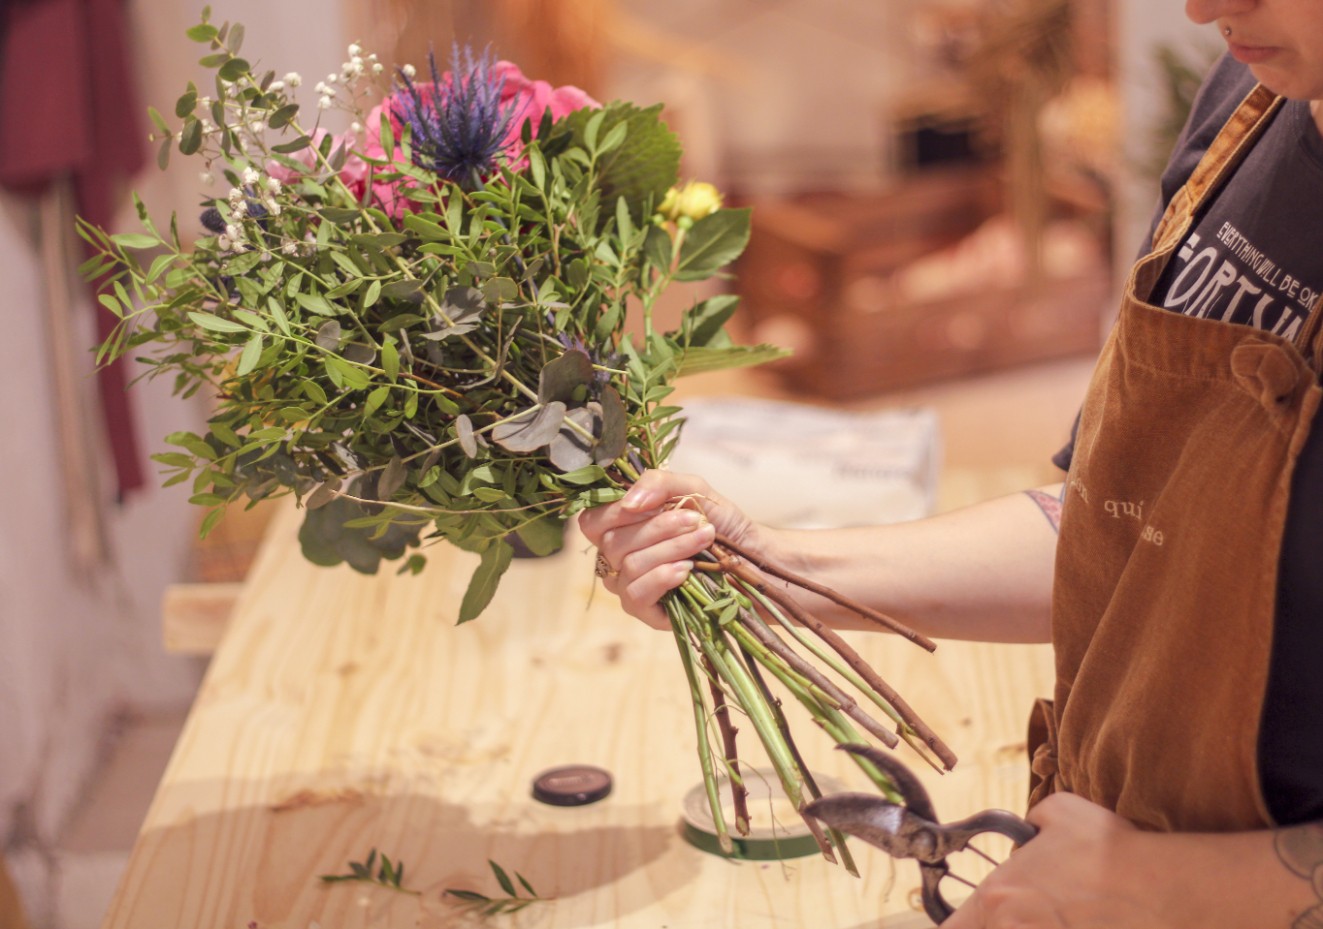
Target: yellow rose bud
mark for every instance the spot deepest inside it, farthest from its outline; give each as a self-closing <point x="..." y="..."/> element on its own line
<point x="694" y="200"/>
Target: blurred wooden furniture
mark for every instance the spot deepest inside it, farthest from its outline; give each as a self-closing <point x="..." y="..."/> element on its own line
<point x="819" y="274"/>
<point x="343" y="713"/>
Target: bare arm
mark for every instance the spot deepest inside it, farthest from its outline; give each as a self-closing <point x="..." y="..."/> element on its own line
<point x="984" y="572"/>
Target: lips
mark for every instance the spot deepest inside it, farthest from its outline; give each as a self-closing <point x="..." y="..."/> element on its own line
<point x="1251" y="54"/>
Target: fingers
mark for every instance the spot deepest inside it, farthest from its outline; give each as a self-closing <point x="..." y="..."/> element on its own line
<point x="651" y="557"/>
<point x="648" y="546"/>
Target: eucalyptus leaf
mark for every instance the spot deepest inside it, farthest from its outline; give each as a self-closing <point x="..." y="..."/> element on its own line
<point x="464" y="433"/>
<point x="561" y="377"/>
<point x="329" y="335"/>
<point x="571" y="449"/>
<point x="531" y="430"/>
<point x="612" y="441"/>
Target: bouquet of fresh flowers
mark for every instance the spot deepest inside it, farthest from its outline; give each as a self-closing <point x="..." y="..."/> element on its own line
<point x="417" y="327"/>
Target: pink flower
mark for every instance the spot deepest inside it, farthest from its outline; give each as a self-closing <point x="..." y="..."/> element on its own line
<point x="522" y="98"/>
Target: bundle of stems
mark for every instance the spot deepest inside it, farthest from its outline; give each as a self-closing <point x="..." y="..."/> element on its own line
<point x="734" y="628"/>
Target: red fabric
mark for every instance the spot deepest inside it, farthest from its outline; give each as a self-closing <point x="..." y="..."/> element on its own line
<point x="68" y="108"/>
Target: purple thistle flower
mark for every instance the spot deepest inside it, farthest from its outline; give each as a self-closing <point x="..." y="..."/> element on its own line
<point x="459" y="126"/>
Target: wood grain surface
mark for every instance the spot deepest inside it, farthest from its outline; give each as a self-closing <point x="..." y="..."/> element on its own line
<point x="343" y="713"/>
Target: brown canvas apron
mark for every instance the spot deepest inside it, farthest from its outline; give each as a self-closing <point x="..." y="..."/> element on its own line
<point x="1166" y="572"/>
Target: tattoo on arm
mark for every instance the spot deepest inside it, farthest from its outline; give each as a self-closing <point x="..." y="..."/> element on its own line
<point x="1050" y="505"/>
<point x="1300" y="849"/>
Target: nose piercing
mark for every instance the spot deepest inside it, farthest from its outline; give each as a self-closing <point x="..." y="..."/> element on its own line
<point x="1226" y="31"/>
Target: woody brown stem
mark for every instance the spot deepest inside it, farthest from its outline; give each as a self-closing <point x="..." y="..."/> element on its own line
<point x="839" y="599"/>
<point x="844" y="702"/>
<point x="742" y="571"/>
<point x="739" y="794"/>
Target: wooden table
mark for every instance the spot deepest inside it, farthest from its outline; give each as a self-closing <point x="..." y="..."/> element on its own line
<point x="343" y="713"/>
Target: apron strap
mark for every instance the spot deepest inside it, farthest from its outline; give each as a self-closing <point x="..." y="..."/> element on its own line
<point x="1245" y="126"/>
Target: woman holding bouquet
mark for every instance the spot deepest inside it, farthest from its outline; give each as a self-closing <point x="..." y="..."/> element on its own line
<point x="1179" y="777"/>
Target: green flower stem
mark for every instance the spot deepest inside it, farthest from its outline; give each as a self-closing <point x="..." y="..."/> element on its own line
<point x="751" y="628"/>
<point x="713" y="645"/>
<point x="903" y="728"/>
<point x="837" y="839"/>
<point x="679" y="625"/>
<point x="824" y="655"/>
<point x="741" y="570"/>
<point x="739" y="793"/>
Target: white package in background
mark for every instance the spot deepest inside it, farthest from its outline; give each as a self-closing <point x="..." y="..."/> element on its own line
<point x="797" y="466"/>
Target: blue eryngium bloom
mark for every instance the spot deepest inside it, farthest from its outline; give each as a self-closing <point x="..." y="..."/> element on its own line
<point x="459" y="126"/>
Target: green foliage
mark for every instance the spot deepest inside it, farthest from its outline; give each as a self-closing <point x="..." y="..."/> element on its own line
<point x="383" y="873"/>
<point x="451" y="368"/>
<point x="512" y="902"/>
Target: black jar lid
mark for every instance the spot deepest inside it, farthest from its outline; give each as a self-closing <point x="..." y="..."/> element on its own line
<point x="572" y="785"/>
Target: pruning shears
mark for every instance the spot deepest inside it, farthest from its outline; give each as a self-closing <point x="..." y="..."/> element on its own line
<point x="910" y="829"/>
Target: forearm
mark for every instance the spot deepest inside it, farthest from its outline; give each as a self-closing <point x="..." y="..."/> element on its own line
<point x="983" y="572"/>
<point x="1270" y="880"/>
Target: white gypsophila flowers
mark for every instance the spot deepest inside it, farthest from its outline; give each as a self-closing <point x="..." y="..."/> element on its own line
<point x="223" y="242"/>
<point x="293" y="79"/>
<point x="251" y="175"/>
<point x="290" y="248"/>
<point x="206" y="178"/>
<point x="409" y="71"/>
<point x="239" y="210"/>
<point x="276" y="87"/>
<point x="233" y="231"/>
<point x="273" y="184"/>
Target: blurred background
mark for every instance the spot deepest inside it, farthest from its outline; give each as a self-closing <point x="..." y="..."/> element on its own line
<point x="944" y="193"/>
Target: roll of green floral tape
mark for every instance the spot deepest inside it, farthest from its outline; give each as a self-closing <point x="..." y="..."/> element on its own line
<point x="776" y="830"/>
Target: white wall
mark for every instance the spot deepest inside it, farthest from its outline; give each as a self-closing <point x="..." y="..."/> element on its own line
<point x="1145" y="25"/>
<point x="79" y="647"/>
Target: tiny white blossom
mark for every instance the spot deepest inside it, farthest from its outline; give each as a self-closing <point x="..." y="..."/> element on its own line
<point x="372" y="57"/>
<point x="290" y="248"/>
<point x="293" y="79"/>
<point x="273" y="206"/>
<point x="409" y="71"/>
<point x="250" y="175"/>
<point x="233" y="231"/>
<point x="239" y="246"/>
<point x="332" y="78"/>
<point x="240" y="209"/>
<point x="276" y="86"/>
<point x="204" y="101"/>
<point x="321" y="87"/>
<point x="323" y="103"/>
<point x="355" y="50"/>
<point x="273" y="184"/>
<point x="356" y="127"/>
<point x="235" y="196"/>
<point x="207" y="178"/>
<point x="223" y="242"/>
<point x="378" y="67"/>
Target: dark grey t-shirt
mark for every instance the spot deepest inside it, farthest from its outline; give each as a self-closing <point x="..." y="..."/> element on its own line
<point x="1254" y="256"/>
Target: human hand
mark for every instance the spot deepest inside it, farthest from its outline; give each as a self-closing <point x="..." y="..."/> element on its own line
<point x="651" y="544"/>
<point x="1084" y="870"/>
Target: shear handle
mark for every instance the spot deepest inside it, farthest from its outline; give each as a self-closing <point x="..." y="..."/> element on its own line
<point x="956" y="836"/>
